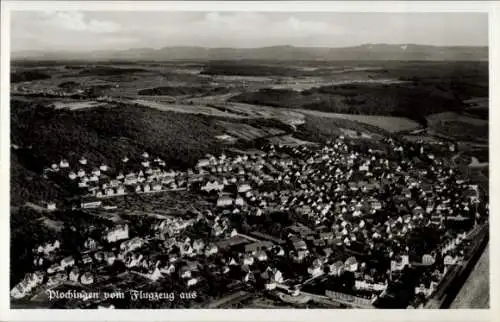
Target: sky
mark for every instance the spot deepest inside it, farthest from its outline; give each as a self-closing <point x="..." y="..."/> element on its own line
<point x="119" y="30"/>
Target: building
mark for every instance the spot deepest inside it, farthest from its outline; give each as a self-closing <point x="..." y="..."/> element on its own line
<point x="224" y="201"/>
<point x="117" y="233"/>
<point x="90" y="203"/>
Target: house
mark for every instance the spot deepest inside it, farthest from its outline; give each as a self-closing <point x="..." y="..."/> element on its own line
<point x="119" y="232"/>
<point x="248" y="260"/>
<point x="351" y="264"/>
<point x="63" y="164"/>
<point x="428" y="259"/>
<point x="198" y="245"/>
<point x="212" y="186"/>
<point x="399" y="263"/>
<point x="48" y="247"/>
<point x="110" y="258"/>
<point x="363" y="285"/>
<point x="81" y="173"/>
<point x="131" y="244"/>
<point x="67" y="262"/>
<point x="192" y="281"/>
<point x="185" y="272"/>
<point x="211" y="250"/>
<point x="83" y="161"/>
<point x="104" y="168"/>
<point x="299" y="245"/>
<point x="72" y="175"/>
<point x="90" y="243"/>
<point x="239" y="201"/>
<point x="186" y="250"/>
<point x="74" y="275"/>
<point x="337" y="268"/>
<point x="99" y="256"/>
<point x="449" y="260"/>
<point x="87" y="278"/>
<point x="50" y="206"/>
<point x="224" y="201"/>
<point x="56" y="279"/>
<point x="130" y="179"/>
<point x="86" y="259"/>
<point x="203" y="163"/>
<point x="244" y="188"/>
<point x="90" y="203"/>
<point x="261" y="256"/>
<point x="169" y="269"/>
<point x="301" y="255"/>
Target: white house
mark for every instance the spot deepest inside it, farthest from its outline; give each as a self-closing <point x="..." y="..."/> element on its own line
<point x="119" y="232"/>
<point x="224" y="201"/>
<point x="63" y="164"/>
<point x="211" y="250"/>
<point x="87" y="278"/>
<point x="244" y="188"/>
<point x="212" y="186"/>
<point x="192" y="281"/>
<point x="132" y="244"/>
<point x="74" y="275"/>
<point x="83" y="161"/>
<point x="363" y="285"/>
<point x="67" y="262"/>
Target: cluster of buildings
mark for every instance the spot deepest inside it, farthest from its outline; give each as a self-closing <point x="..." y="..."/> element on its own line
<point x="98" y="182"/>
<point x="357" y="211"/>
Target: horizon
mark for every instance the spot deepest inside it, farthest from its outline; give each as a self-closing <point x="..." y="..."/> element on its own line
<point x="88" y="31"/>
<point x="260" y="47"/>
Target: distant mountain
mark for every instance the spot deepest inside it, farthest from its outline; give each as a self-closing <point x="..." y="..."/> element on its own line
<point x="363" y="52"/>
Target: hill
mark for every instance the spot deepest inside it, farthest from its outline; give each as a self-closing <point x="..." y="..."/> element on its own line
<point x="404" y="52"/>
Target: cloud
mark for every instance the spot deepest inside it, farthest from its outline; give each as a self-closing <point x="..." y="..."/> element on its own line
<point x="77" y="21"/>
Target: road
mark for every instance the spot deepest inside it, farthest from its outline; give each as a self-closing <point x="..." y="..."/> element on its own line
<point x="475" y="294"/>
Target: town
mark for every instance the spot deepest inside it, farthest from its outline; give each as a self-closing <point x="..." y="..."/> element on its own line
<point x="332" y="225"/>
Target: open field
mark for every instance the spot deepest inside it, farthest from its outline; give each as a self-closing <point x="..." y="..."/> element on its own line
<point x="387" y="123"/>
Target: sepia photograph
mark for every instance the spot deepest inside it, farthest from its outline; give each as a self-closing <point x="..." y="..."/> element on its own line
<point x="215" y="159"/>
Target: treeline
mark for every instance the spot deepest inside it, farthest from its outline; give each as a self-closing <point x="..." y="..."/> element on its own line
<point x="183" y="90"/>
<point x="109" y="71"/>
<point x="26" y="76"/>
<point x="235" y="69"/>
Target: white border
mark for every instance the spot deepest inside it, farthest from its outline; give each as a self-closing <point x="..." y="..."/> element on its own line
<point x="244" y="314"/>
